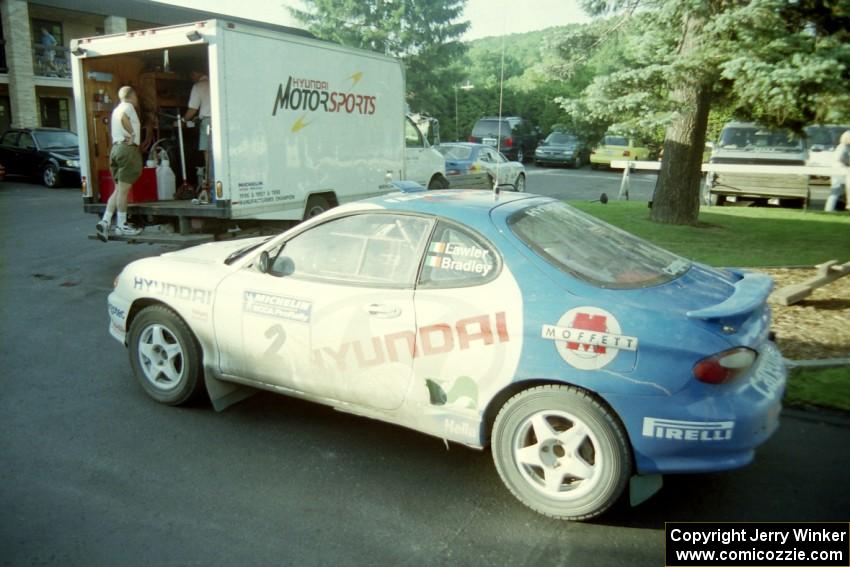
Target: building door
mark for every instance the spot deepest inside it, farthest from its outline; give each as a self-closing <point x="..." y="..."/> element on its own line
<point x="5" y="113"/>
<point x="54" y="112"/>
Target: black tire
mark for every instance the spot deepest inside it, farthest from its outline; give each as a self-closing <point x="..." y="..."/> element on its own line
<point x="519" y="184"/>
<point x="438" y="182"/>
<point x="316" y="205"/>
<point x="599" y="449"/>
<point x="520" y="154"/>
<point x="165" y="356"/>
<point x="50" y="176"/>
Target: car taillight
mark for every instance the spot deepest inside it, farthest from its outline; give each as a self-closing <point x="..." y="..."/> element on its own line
<point x="627" y="153"/>
<point x="509" y="142"/>
<point x="724" y="366"/>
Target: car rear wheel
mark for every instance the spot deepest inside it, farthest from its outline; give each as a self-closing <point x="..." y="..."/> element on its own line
<point x="50" y="176"/>
<point x="561" y="452"/>
<point x="519" y="185"/>
<point x="165" y="356"/>
<point x="438" y="182"/>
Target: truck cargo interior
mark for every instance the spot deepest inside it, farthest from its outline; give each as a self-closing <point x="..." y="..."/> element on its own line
<point x="163" y="83"/>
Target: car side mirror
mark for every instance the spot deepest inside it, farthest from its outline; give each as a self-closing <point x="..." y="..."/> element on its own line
<point x="263" y="263"/>
<point x="283" y="266"/>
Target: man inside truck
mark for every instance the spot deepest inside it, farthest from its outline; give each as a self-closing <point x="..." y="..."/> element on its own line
<point x="125" y="163"/>
<point x="199" y="105"/>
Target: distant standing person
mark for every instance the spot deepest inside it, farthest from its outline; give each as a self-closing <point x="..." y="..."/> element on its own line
<point x="839" y="182"/>
<point x="48" y="44"/>
<point x="199" y="105"/>
<point x="125" y="163"/>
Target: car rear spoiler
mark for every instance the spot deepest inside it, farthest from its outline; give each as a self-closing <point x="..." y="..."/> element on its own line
<point x="751" y="291"/>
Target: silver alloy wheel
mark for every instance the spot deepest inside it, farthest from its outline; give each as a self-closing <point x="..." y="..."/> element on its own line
<point x="49" y="176"/>
<point x="161" y="357"/>
<point x="557" y="455"/>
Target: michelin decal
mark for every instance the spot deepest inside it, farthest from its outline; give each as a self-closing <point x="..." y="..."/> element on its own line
<point x="278" y="306"/>
<point x="588" y="338"/>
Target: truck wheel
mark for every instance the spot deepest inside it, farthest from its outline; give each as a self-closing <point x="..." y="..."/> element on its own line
<point x="165" y="357"/>
<point x="316" y="205"/>
<point x="561" y="452"/>
<point x="438" y="182"/>
<point x="50" y="176"/>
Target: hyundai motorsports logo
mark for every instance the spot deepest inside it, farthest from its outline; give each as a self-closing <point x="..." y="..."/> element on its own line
<point x="588" y="338"/>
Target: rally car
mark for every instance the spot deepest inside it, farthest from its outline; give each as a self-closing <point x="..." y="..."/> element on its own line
<point x="583" y="356"/>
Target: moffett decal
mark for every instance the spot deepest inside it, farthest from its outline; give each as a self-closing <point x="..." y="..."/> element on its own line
<point x="588" y="338"/>
<point x="687" y="430"/>
<point x="278" y="306"/>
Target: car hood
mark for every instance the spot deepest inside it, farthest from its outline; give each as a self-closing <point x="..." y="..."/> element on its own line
<point x="213" y="252"/>
<point x="65" y="153"/>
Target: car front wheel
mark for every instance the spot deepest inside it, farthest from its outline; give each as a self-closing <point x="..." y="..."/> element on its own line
<point x="519" y="185"/>
<point x="165" y="357"/>
<point x="50" y="176"/>
<point x="561" y="452"/>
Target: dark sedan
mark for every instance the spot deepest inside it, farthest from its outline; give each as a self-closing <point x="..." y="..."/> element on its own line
<point x="49" y="154"/>
<point x="562" y="148"/>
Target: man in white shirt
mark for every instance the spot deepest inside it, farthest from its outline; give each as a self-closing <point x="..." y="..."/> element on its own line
<point x="199" y="105"/>
<point x="125" y="162"/>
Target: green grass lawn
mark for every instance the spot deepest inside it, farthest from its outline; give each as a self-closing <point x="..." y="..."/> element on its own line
<point x="738" y="236"/>
<point x="827" y="387"/>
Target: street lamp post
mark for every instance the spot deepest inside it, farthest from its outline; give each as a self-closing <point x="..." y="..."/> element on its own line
<point x="468" y="86"/>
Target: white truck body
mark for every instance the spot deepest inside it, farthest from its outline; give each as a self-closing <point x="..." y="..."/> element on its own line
<point x="292" y="117"/>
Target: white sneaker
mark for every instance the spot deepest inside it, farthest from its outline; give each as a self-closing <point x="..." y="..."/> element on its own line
<point x="102" y="230"/>
<point x="127" y="230"/>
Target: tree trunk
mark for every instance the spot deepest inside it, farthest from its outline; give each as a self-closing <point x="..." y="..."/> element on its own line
<point x="676" y="198"/>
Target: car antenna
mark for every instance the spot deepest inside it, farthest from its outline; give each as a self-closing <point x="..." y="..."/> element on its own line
<point x="499" y="127"/>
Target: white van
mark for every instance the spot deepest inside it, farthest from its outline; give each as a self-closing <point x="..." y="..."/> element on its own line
<point x="298" y="124"/>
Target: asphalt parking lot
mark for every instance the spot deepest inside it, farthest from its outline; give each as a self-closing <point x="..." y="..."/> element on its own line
<point x="95" y="473"/>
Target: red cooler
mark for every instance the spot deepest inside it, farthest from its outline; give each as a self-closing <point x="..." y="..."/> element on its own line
<point x="143" y="190"/>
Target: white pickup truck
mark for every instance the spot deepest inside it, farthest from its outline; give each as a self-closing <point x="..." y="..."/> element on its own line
<point x="298" y="125"/>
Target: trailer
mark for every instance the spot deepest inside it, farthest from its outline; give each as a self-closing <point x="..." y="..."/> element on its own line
<point x="298" y="125"/>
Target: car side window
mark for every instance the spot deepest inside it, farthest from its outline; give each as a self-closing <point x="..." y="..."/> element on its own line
<point x="412" y="135"/>
<point x="485" y="155"/>
<point x="457" y="258"/>
<point x="10" y="139"/>
<point x="381" y="250"/>
<point x="26" y="142"/>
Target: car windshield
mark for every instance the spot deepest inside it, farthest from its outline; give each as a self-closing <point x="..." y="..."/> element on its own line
<point x="752" y="138"/>
<point x="560" y="138"/>
<point x="454" y="152"/>
<point x="490" y="128"/>
<point x="594" y="251"/>
<point x="54" y="140"/>
<point x="615" y="141"/>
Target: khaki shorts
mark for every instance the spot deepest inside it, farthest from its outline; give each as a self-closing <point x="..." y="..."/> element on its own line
<point x="125" y="163"/>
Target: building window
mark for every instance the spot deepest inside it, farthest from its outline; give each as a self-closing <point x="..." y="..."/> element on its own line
<point x="5" y="113"/>
<point x="3" y="67"/>
<point x="49" y="54"/>
<point x="54" y="112"/>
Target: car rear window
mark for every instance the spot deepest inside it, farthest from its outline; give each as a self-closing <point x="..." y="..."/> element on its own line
<point x="455" y="152"/>
<point x="490" y="128"/>
<point x="594" y="251"/>
<point x="615" y="141"/>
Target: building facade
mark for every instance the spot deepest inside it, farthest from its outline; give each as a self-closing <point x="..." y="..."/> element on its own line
<point x="35" y="70"/>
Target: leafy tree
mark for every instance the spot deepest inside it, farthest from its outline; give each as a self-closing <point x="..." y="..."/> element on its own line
<point x="784" y="63"/>
<point x="422" y="33"/>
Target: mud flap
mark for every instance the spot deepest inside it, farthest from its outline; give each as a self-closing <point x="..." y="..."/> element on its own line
<point x="643" y="487"/>
<point x="225" y="394"/>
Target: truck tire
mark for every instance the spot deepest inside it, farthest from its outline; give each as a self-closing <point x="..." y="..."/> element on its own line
<point x="561" y="452"/>
<point x="316" y="205"/>
<point x="165" y="356"/>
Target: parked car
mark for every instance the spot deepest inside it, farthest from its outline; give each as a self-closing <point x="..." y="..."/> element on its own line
<point x="49" y="154"/>
<point x="513" y="136"/>
<point x="471" y="159"/>
<point x="821" y="141"/>
<point x="562" y="148"/>
<point x="582" y="355"/>
<point x="617" y="147"/>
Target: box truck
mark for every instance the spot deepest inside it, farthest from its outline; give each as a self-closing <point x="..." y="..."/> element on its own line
<point x="298" y="125"/>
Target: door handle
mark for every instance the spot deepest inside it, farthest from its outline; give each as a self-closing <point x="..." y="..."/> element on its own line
<point x="383" y="311"/>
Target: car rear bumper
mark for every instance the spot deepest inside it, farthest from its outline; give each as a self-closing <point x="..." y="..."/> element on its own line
<point x="555" y="159"/>
<point x="690" y="431"/>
